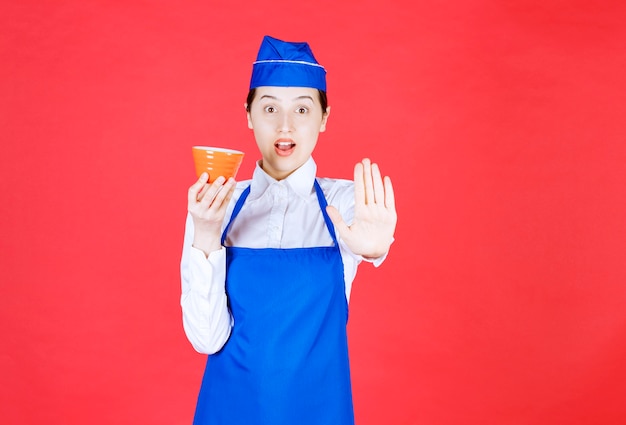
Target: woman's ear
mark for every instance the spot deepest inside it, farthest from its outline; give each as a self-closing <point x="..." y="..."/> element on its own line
<point x="247" y="108"/>
<point x="325" y="119"/>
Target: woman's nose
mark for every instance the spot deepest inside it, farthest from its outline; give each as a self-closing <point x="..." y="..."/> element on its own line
<point x="285" y="123"/>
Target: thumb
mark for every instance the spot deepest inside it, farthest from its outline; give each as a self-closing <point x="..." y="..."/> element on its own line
<point x="335" y="217"/>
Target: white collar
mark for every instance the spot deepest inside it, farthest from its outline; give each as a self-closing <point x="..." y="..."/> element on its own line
<point x="300" y="181"/>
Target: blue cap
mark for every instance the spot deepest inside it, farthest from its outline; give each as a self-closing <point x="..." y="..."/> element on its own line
<point x="286" y="64"/>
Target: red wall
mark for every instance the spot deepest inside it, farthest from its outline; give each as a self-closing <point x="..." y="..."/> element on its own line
<point x="501" y="124"/>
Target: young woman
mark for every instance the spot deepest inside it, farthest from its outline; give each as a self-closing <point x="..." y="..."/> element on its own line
<point x="268" y="263"/>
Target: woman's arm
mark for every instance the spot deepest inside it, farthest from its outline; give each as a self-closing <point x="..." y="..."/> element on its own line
<point x="206" y="318"/>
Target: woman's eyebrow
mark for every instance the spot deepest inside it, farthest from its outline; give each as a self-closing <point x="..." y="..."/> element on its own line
<point x="268" y="96"/>
<point x="304" y="97"/>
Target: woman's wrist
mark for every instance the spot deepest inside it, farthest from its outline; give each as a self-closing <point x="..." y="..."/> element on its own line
<point x="207" y="240"/>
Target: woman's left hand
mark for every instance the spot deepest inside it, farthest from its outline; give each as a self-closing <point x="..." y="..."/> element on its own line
<point x="371" y="233"/>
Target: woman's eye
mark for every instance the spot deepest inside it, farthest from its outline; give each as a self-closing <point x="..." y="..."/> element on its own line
<point x="270" y="109"/>
<point x="302" y="110"/>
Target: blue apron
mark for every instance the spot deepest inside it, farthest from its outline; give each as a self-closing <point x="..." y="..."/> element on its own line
<point x="286" y="361"/>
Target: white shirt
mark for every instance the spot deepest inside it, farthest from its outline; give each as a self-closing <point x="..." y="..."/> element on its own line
<point x="276" y="214"/>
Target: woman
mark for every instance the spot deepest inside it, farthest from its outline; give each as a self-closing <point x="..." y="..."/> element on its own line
<point x="268" y="263"/>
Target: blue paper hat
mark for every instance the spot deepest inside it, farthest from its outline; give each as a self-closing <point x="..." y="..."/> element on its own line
<point x="286" y="64"/>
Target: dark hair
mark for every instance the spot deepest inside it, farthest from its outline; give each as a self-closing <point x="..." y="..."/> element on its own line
<point x="321" y="93"/>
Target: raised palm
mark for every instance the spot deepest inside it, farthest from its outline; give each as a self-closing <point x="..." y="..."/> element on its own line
<point x="371" y="232"/>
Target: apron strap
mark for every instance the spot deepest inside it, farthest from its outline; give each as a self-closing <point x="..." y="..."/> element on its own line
<point x="320" y="198"/>
<point x="323" y="204"/>
<point x="236" y="210"/>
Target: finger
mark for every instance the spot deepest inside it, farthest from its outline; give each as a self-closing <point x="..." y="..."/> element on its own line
<point x="359" y="187"/>
<point x="223" y="196"/>
<point x="229" y="194"/>
<point x="214" y="188"/>
<point x="335" y="217"/>
<point x="390" y="200"/>
<point x="202" y="192"/>
<point x="379" y="189"/>
<point x="367" y="177"/>
<point x="192" y="194"/>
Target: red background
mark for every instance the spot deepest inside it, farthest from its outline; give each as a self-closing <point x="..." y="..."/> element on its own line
<point x="501" y="124"/>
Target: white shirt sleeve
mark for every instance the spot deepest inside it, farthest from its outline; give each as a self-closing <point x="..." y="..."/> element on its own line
<point x="206" y="318"/>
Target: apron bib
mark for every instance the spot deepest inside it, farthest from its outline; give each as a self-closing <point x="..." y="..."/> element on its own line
<point x="286" y="361"/>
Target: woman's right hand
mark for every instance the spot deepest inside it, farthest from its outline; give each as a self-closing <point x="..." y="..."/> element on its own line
<point x="207" y="203"/>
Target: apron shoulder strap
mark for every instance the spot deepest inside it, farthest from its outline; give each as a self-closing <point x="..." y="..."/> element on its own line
<point x="323" y="204"/>
<point x="236" y="210"/>
<point x="320" y="197"/>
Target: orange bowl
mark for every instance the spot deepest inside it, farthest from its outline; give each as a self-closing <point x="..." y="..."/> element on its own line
<point x="216" y="161"/>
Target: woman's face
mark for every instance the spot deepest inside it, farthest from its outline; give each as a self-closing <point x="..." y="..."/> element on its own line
<point x="286" y="122"/>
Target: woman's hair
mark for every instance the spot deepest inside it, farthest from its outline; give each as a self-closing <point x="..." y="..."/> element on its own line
<point x="321" y="93"/>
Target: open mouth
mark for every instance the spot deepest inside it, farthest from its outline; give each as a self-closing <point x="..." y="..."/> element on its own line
<point x="284" y="146"/>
